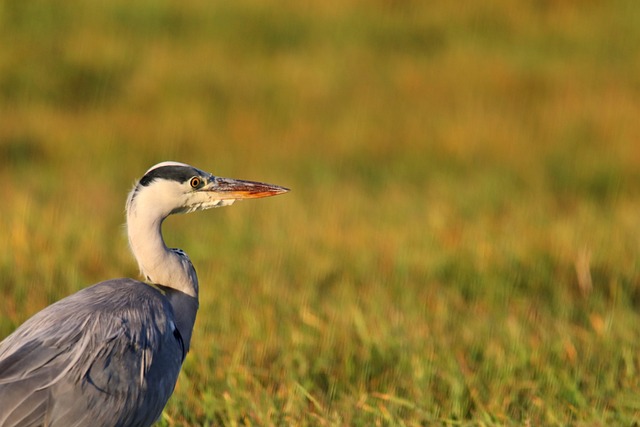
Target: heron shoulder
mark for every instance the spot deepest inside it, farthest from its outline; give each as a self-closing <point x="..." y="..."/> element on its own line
<point x="97" y="313"/>
<point x="115" y="339"/>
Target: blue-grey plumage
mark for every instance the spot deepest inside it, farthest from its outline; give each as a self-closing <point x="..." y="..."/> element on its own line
<point x="129" y="359"/>
<point x="110" y="354"/>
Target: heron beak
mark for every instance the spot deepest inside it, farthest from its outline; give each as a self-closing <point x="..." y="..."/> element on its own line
<point x="237" y="189"/>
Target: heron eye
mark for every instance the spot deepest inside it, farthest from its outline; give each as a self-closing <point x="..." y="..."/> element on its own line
<point x="195" y="182"/>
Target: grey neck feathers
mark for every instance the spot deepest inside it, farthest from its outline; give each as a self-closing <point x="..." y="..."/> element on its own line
<point x="170" y="269"/>
<point x="185" y="308"/>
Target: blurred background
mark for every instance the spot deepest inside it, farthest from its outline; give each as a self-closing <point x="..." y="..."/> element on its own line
<point x="461" y="241"/>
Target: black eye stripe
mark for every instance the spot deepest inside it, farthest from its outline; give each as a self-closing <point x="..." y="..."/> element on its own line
<point x="173" y="173"/>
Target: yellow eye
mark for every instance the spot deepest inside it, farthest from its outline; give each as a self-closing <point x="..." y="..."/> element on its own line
<point x="195" y="182"/>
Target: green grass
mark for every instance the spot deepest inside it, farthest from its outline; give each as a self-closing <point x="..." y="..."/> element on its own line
<point x="461" y="243"/>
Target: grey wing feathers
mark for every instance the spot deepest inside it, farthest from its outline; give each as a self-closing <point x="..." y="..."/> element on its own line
<point x="107" y="355"/>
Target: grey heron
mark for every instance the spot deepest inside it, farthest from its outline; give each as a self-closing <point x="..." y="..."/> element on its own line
<point x="110" y="354"/>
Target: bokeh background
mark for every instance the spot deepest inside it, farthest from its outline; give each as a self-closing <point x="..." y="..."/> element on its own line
<point x="461" y="242"/>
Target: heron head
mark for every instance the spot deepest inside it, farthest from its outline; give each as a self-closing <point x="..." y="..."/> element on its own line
<point x="172" y="187"/>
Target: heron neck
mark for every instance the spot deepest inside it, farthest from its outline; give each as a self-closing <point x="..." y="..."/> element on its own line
<point x="159" y="264"/>
<point x="171" y="270"/>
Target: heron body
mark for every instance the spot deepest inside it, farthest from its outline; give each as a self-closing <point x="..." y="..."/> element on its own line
<point x="110" y="354"/>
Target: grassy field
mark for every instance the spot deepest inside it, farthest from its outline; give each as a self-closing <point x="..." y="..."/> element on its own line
<point x="461" y="245"/>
